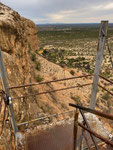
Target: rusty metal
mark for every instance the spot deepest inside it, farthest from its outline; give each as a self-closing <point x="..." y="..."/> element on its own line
<point x="75" y="129"/>
<point x="105" y="89"/>
<point x="51" y="91"/>
<point x="106" y="79"/>
<point x="93" y="111"/>
<point x="88" y="126"/>
<point x="96" y="135"/>
<point x="86" y="140"/>
<point x="46" y="82"/>
<point x="80" y="140"/>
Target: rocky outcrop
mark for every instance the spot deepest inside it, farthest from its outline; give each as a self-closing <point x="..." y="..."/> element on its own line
<point x="17" y="34"/>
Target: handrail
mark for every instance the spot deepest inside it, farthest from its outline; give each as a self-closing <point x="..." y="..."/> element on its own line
<point x="93" y="111"/>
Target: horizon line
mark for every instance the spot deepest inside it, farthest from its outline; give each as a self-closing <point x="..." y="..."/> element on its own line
<point x="73" y="23"/>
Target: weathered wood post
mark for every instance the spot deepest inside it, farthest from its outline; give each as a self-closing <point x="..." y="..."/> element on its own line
<point x="75" y="129"/>
<point x="102" y="39"/>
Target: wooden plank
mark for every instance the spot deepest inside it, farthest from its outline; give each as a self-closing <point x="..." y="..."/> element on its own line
<point x="102" y="39"/>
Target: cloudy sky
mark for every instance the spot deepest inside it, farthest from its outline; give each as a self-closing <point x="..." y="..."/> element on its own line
<point x="63" y="11"/>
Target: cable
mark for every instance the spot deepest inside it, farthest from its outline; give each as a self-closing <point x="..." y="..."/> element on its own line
<point x="45" y="82"/>
<point x="105" y="89"/>
<point x="51" y="91"/>
<point x="106" y="79"/>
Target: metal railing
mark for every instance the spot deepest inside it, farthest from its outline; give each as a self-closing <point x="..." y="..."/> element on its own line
<point x="86" y="127"/>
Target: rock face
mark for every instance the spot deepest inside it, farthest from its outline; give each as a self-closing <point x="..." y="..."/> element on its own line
<point x="17" y="34"/>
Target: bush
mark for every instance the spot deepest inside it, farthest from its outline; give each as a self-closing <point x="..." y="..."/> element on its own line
<point x="72" y="72"/>
<point x="38" y="65"/>
<point x="29" y="46"/>
<point x="76" y="99"/>
<point x="33" y="57"/>
<point x="36" y="51"/>
<point x="106" y="96"/>
<point x="39" y="78"/>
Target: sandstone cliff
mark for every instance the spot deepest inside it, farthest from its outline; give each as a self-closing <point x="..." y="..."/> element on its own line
<point x="16" y="34"/>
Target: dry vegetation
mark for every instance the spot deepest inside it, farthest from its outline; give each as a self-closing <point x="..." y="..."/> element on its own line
<point x="75" y="48"/>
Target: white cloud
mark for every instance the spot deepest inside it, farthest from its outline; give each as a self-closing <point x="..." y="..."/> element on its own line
<point x="63" y="11"/>
<point x="103" y="7"/>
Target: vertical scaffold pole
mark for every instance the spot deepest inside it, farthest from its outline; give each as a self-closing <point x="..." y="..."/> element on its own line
<point x="102" y="40"/>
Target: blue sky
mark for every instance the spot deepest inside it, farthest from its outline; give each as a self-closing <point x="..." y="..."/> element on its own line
<point x="63" y="11"/>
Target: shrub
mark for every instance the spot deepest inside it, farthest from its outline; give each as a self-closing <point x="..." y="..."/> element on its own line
<point x="76" y="99"/>
<point x="70" y="62"/>
<point x="39" y="78"/>
<point x="33" y="57"/>
<point x="72" y="72"/>
<point x="36" y="51"/>
<point x="62" y="63"/>
<point x="106" y="96"/>
<point x="38" y="65"/>
<point x="29" y="46"/>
